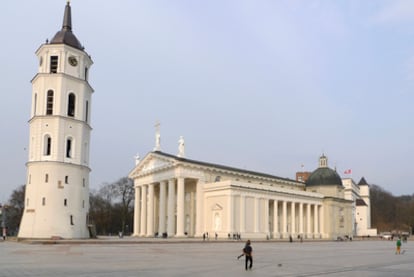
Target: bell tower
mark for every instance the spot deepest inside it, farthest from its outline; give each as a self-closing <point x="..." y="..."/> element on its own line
<point x="57" y="186"/>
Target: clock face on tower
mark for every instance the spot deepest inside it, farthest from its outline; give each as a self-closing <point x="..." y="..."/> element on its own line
<point x="73" y="61"/>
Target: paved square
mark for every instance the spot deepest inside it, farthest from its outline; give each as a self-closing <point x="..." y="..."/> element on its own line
<point x="157" y="257"/>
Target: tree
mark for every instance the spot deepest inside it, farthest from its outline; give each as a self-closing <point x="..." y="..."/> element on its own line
<point x="100" y="213"/>
<point x="390" y="213"/>
<point x="123" y="190"/>
<point x="111" y="207"/>
<point x="14" y="210"/>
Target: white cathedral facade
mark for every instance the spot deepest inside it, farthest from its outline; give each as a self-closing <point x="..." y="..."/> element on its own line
<point x="57" y="186"/>
<point x="174" y="195"/>
<point x="179" y="197"/>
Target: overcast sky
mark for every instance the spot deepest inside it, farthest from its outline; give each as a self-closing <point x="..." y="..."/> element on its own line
<point x="260" y="85"/>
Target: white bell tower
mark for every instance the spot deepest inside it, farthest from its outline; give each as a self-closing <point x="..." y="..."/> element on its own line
<point x="57" y="187"/>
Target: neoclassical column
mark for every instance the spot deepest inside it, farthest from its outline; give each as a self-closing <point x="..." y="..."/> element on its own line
<point x="322" y="222"/>
<point x="276" y="219"/>
<point x="293" y="216"/>
<point x="284" y="219"/>
<point x="150" y="216"/>
<point x="316" y="221"/>
<point x="143" y="210"/>
<point x="256" y="214"/>
<point x="192" y="215"/>
<point x="200" y="208"/>
<point x="171" y="208"/>
<point x="163" y="202"/>
<point x="180" y="206"/>
<point x="301" y="218"/>
<point x="242" y="227"/>
<point x="230" y="220"/>
<point x="308" y="220"/>
<point x="137" y="210"/>
<point x="266" y="216"/>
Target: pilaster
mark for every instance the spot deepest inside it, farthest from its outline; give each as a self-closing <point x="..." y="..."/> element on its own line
<point x="242" y="227"/>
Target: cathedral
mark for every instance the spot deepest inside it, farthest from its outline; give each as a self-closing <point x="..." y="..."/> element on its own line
<point x="174" y="196"/>
<point x="180" y="197"/>
<point x="57" y="186"/>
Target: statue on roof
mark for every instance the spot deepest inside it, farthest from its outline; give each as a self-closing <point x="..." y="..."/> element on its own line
<point x="157" y="137"/>
<point x="137" y="159"/>
<point x="181" y="147"/>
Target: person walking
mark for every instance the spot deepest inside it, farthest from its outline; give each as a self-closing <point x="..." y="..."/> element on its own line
<point x="398" y="251"/>
<point x="248" y="253"/>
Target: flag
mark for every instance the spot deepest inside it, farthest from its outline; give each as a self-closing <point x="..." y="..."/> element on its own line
<point x="348" y="171"/>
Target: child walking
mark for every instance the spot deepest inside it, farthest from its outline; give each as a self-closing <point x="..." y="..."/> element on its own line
<point x="398" y="246"/>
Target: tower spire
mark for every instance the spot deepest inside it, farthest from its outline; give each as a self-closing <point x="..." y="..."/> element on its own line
<point x="65" y="35"/>
<point x="67" y="18"/>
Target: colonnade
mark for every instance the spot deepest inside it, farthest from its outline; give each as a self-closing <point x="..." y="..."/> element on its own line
<point x="278" y="218"/>
<point x="175" y="207"/>
<point x="167" y="212"/>
<point x="305" y="219"/>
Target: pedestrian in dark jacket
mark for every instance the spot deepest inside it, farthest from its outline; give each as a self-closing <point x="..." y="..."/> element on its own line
<point x="248" y="253"/>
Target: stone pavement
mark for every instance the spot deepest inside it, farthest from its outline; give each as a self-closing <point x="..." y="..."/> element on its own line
<point x="190" y="257"/>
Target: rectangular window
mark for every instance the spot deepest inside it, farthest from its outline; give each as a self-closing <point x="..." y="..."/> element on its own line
<point x="53" y="64"/>
<point x="68" y="148"/>
<point x="83" y="182"/>
<point x="66" y="179"/>
<point x="86" y="111"/>
<point x="48" y="146"/>
<point x="43" y="201"/>
<point x="35" y="104"/>
<point x="49" y="102"/>
<point x="71" y="220"/>
<point x="46" y="178"/>
<point x="65" y="202"/>
<point x="71" y="104"/>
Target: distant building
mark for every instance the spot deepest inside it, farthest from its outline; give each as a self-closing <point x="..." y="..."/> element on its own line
<point x="57" y="186"/>
<point x="179" y="197"/>
<point x="302" y="176"/>
<point x="361" y="213"/>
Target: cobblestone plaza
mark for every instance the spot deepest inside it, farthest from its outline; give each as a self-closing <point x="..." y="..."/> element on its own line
<point x="171" y="257"/>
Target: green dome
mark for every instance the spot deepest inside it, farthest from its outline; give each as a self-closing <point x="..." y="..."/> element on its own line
<point x="324" y="176"/>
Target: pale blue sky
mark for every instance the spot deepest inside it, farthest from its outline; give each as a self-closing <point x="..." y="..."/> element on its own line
<point x="260" y="85"/>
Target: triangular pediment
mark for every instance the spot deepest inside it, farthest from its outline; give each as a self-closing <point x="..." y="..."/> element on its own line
<point x="151" y="163"/>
